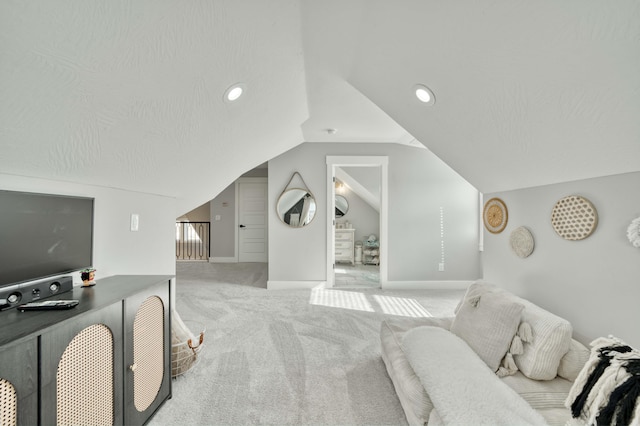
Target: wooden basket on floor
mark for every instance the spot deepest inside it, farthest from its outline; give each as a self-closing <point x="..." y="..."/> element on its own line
<point x="185" y="353"/>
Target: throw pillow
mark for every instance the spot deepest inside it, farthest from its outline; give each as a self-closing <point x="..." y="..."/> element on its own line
<point x="488" y="323"/>
<point x="551" y="339"/>
<point x="551" y="335"/>
<point x="571" y="364"/>
<point x="476" y="289"/>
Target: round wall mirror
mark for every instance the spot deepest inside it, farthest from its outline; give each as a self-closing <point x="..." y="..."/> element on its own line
<point x="342" y="206"/>
<point x="296" y="207"/>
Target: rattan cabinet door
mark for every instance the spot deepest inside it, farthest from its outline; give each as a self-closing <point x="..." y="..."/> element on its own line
<point x="81" y="370"/>
<point x="147" y="353"/>
<point x="19" y="383"/>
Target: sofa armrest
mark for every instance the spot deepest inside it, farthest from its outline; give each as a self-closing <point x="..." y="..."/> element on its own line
<point x="413" y="398"/>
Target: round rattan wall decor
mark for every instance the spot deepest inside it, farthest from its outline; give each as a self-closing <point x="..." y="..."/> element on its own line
<point x="633" y="232"/>
<point x="521" y="242"/>
<point x="574" y="218"/>
<point x="495" y="215"/>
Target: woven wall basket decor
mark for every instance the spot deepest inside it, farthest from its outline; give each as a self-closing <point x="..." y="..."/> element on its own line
<point x="495" y="215"/>
<point x="574" y="218"/>
<point x="521" y="242"/>
<point x="633" y="232"/>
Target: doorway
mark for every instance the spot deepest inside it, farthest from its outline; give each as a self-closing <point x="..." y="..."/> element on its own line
<point x="351" y="171"/>
<point x="251" y="233"/>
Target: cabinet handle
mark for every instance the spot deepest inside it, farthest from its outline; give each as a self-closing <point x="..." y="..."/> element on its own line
<point x="133" y="367"/>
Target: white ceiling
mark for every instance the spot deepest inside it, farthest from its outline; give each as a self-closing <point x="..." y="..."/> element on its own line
<point x="129" y="94"/>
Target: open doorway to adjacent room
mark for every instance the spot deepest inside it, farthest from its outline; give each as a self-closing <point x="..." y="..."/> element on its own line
<point x="357" y="221"/>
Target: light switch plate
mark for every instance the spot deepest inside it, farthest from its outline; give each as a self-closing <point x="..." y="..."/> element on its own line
<point x="135" y="221"/>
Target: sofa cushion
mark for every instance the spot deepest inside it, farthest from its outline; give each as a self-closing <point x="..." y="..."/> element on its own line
<point x="488" y="323"/>
<point x="558" y="417"/>
<point x="551" y="335"/>
<point x="545" y="396"/>
<point x="540" y="393"/>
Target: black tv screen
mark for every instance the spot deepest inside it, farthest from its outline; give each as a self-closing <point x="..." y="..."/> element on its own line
<point x="43" y="235"/>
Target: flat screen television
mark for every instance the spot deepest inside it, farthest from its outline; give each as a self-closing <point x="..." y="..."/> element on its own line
<point x="43" y="235"/>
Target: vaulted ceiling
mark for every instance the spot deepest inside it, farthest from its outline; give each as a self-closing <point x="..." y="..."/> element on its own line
<point x="130" y="94"/>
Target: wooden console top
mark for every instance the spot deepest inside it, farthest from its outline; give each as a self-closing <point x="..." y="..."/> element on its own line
<point x="16" y="325"/>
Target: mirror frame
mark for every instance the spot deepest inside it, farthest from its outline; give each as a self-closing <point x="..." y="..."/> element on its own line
<point x="282" y="215"/>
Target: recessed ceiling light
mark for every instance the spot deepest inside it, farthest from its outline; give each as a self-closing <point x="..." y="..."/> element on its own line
<point x="234" y="92"/>
<point x="424" y="94"/>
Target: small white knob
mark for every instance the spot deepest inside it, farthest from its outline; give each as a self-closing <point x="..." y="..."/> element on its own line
<point x="133" y="367"/>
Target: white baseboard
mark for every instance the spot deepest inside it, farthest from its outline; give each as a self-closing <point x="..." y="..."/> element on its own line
<point x="223" y="259"/>
<point x="293" y="285"/>
<point x="426" y="285"/>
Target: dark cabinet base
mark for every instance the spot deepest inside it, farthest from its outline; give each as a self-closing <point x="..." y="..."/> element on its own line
<point x="91" y="364"/>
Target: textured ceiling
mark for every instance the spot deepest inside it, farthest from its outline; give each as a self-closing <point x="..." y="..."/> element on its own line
<point x="527" y="93"/>
<point x="129" y="94"/>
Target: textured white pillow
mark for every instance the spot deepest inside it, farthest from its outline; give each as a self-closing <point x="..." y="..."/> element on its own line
<point x="571" y="364"/>
<point x="551" y="335"/>
<point x="476" y="289"/>
<point x="488" y="323"/>
<point x="551" y="340"/>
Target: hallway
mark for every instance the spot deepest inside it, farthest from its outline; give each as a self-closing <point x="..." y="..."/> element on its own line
<point x="357" y="276"/>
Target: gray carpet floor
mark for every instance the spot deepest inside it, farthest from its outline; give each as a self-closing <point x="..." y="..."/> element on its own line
<point x="287" y="357"/>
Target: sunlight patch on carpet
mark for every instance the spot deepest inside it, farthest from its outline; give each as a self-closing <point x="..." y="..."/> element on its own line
<point x="401" y="306"/>
<point x="340" y="299"/>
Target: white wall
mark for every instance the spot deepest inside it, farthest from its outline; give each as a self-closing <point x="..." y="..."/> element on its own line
<point x="199" y="214"/>
<point x="419" y="184"/>
<point x="117" y="250"/>
<point x="593" y="282"/>
<point x="223" y="244"/>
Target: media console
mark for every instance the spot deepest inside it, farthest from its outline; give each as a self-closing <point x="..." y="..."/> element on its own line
<point x="105" y="361"/>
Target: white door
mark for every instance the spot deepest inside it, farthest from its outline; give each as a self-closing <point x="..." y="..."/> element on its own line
<point x="252" y="222"/>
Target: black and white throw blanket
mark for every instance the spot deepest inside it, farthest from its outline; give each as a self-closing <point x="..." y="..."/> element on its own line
<point x="607" y="390"/>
